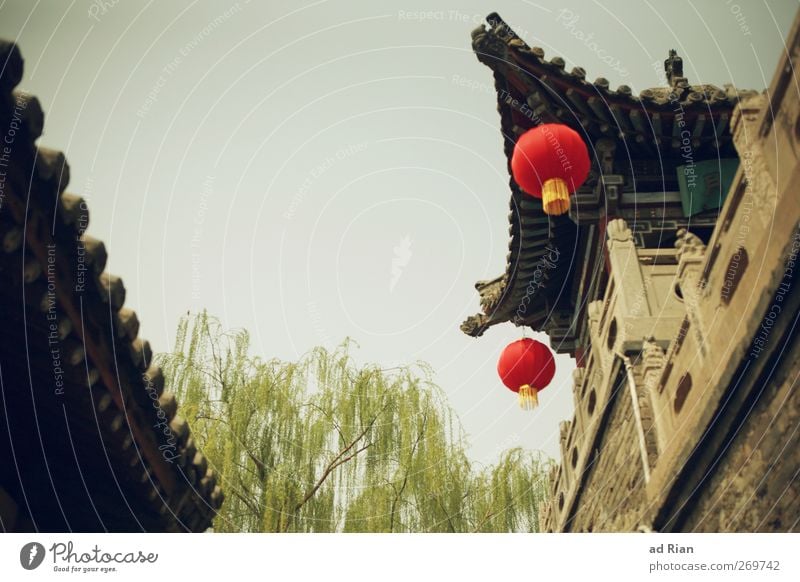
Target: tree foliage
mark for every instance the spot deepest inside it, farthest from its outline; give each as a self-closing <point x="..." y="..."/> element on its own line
<point x="323" y="445"/>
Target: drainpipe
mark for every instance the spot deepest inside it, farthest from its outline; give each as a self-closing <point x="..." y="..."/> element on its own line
<point x="637" y="415"/>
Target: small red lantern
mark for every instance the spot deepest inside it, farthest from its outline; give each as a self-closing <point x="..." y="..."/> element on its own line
<point x="550" y="162"/>
<point x="526" y="367"/>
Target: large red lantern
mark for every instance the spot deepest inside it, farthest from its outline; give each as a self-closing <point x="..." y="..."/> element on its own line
<point x="526" y="367"/>
<point x="550" y="162"/>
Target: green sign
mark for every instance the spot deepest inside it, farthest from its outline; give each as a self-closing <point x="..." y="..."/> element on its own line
<point x="704" y="185"/>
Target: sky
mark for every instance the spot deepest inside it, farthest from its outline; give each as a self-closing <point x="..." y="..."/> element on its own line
<point x="311" y="171"/>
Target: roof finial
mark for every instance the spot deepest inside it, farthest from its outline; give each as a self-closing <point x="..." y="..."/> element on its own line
<point x="673" y="67"/>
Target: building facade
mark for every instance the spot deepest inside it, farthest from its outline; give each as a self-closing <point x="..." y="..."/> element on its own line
<point x="672" y="282"/>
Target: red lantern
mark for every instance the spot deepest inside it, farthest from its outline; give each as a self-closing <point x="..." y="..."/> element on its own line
<point x="526" y="367"/>
<point x="550" y="162"/>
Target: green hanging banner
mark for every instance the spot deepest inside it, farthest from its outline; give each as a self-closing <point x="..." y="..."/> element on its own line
<point x="704" y="185"/>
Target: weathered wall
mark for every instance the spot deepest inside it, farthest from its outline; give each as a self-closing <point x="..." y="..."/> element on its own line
<point x="755" y="486"/>
<point x="613" y="494"/>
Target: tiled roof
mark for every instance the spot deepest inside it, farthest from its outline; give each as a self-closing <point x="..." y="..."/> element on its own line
<point x="92" y="440"/>
<point x="649" y="126"/>
<point x="545" y="90"/>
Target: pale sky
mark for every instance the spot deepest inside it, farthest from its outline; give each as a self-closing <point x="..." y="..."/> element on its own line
<point x="311" y="171"/>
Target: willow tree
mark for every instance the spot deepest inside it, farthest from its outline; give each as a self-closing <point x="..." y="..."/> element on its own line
<point x="322" y="445"/>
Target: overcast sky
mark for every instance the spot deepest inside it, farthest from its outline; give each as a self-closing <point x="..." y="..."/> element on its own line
<point x="311" y="171"/>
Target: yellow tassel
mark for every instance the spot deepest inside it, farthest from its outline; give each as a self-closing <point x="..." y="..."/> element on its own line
<point x="555" y="196"/>
<point x="528" y="397"/>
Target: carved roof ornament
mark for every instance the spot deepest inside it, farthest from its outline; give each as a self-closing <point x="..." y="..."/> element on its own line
<point x="673" y="67"/>
<point x="605" y="148"/>
<point x="618" y="231"/>
<point x="689" y="245"/>
<point x="652" y="353"/>
<point x="475" y="325"/>
<point x="493" y="45"/>
<point x="654" y="358"/>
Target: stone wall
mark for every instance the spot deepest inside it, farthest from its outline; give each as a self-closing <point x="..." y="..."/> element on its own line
<point x="612" y="496"/>
<point x="694" y="357"/>
<point x="755" y="486"/>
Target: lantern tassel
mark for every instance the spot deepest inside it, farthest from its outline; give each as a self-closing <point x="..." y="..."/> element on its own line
<point x="528" y="397"/>
<point x="555" y="196"/>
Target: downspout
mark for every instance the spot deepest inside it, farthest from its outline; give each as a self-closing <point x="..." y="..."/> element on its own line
<point x="637" y="415"/>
